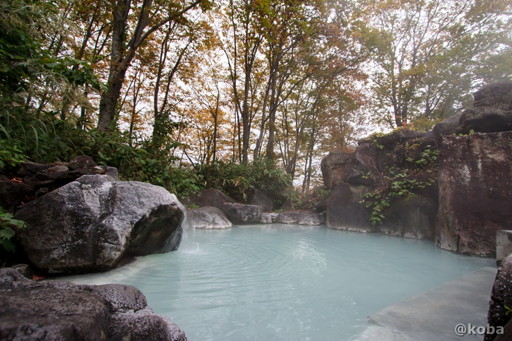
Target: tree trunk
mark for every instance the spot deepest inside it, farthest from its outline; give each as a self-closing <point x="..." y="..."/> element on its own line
<point x="108" y="101"/>
<point x="274" y="99"/>
<point x="259" y="141"/>
<point x="246" y="133"/>
<point x="216" y="125"/>
<point x="119" y="64"/>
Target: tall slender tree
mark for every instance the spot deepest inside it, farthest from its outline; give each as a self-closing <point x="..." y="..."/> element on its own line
<point x="148" y="16"/>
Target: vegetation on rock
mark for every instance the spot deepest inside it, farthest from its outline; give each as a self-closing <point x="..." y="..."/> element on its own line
<point x="412" y="169"/>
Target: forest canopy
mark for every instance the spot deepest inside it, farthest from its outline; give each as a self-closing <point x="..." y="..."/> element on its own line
<point x="184" y="93"/>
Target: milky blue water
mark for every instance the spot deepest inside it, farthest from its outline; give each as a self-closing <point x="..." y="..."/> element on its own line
<point x="285" y="282"/>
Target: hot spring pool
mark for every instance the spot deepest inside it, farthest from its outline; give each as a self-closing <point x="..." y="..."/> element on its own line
<point x="285" y="282"/>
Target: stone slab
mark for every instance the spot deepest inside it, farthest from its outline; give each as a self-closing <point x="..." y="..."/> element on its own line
<point x="434" y="314"/>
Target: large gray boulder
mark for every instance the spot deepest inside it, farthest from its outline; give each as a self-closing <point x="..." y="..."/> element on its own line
<point x="334" y="166"/>
<point x="89" y="224"/>
<point x="208" y="217"/>
<point x="447" y="127"/>
<point x="372" y="168"/>
<point x="491" y="110"/>
<point x="241" y="213"/>
<point x="210" y="197"/>
<point x="475" y="187"/>
<point x="457" y="178"/>
<point x="269" y="217"/>
<point x="237" y="213"/>
<point x="303" y="217"/>
<point x="63" y="311"/>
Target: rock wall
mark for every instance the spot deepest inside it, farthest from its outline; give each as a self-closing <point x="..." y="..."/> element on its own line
<point x="471" y="197"/>
<point x="372" y="167"/>
<point x="475" y="192"/>
<point x="475" y="184"/>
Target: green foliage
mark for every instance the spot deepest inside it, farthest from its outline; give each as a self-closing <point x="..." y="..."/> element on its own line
<point x="17" y="45"/>
<point x="23" y="60"/>
<point x="41" y="137"/>
<point x="377" y="201"/>
<point x="470" y="133"/>
<point x="26" y="68"/>
<point x="427" y="156"/>
<point x="374" y="138"/>
<point x="423" y="123"/>
<point x="46" y="138"/>
<point x="29" y="132"/>
<point x="8" y="227"/>
<point x="418" y="172"/>
<point x="238" y="180"/>
<point x="141" y="163"/>
<point x="10" y="154"/>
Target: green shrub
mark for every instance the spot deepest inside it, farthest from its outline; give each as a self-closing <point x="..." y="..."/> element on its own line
<point x="10" y="154"/>
<point x="45" y="138"/>
<point x="239" y="180"/>
<point x="42" y="137"/>
<point x="142" y="163"/>
<point x="8" y="227"/>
